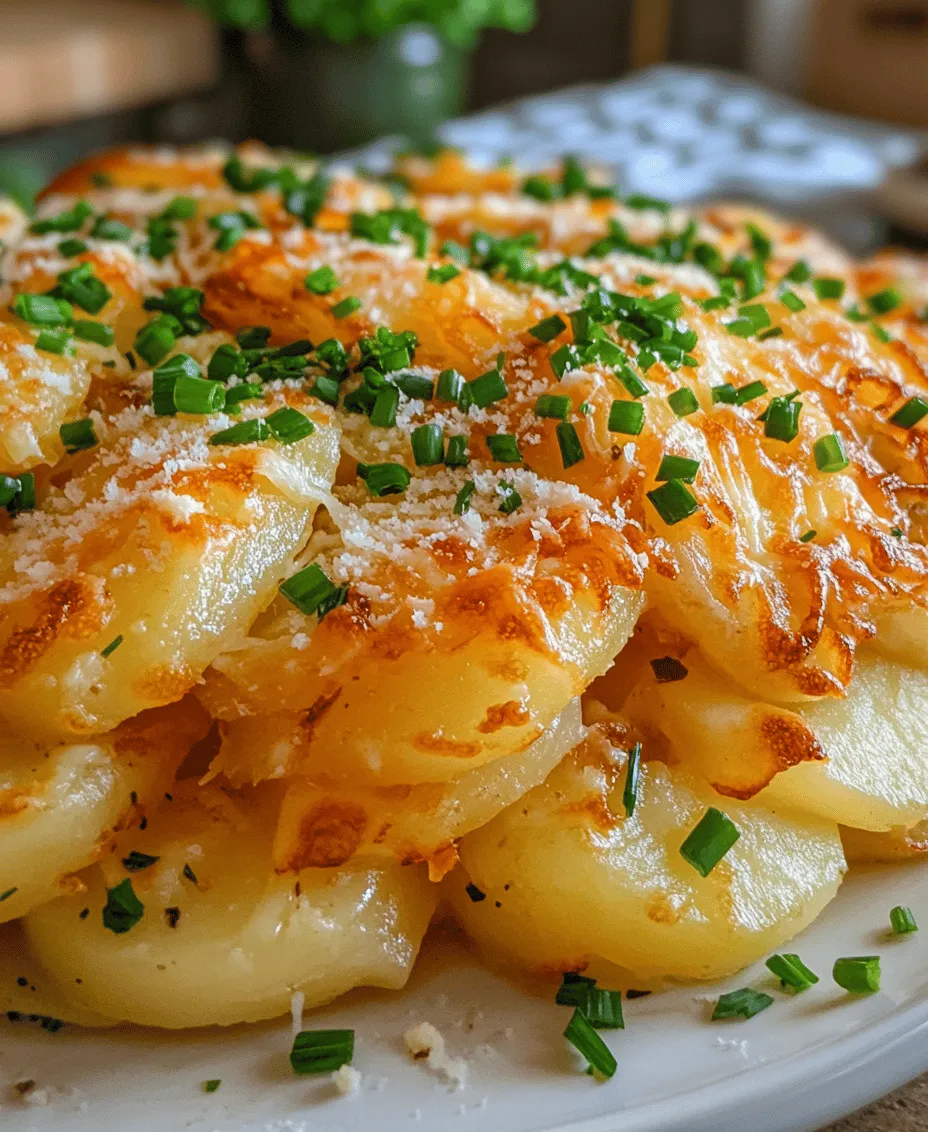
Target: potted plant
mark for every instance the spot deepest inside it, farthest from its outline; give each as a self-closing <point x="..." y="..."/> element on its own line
<point x="330" y="74"/>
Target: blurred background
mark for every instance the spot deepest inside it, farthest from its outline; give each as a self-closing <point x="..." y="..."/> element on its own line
<point x="801" y="103"/>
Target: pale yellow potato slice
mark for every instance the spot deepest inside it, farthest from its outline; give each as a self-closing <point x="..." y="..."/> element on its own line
<point x="39" y="391"/>
<point x="569" y="880"/>
<point x="58" y="807"/>
<point x="160" y="542"/>
<point x="328" y="825"/>
<point x="244" y="939"/>
<point x="901" y="843"/>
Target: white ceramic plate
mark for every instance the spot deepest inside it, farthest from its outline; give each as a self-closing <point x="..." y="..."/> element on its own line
<point x="803" y="1062"/>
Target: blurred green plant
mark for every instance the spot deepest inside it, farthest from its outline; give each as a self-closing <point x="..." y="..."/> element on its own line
<point x="343" y="21"/>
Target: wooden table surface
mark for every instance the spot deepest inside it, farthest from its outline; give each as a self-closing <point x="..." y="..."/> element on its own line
<point x="906" y="1110"/>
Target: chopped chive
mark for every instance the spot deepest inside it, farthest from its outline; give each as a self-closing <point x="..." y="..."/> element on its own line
<point x="443" y="274"/>
<point x="829" y="454"/>
<point x="123" y="908"/>
<point x="188" y="873"/>
<point x="632" y="382"/>
<point x="488" y="388"/>
<point x="71" y="247"/>
<point x="324" y="387"/>
<point x="504" y="448"/>
<point x="78" y="435"/>
<point x="6" y="895"/>
<point x="902" y="921"/>
<point x="673" y="501"/>
<point x="510" y="499"/>
<point x="450" y="386"/>
<point x="552" y="405"/>
<point x="683" y="402"/>
<point x="246" y="391"/>
<point x="80" y="286"/>
<point x="68" y="221"/>
<point x="781" y="421"/>
<point x="587" y="1042"/>
<point x="427" y="445"/>
<point x="321" y="1051"/>
<point x="773" y="332"/>
<point x="548" y="328"/>
<point x="180" y="208"/>
<point x="89" y="330"/>
<point x="603" y="1009"/>
<point x="457" y="454"/>
<point x="760" y="241"/>
<point x="827" y="287"/>
<point x="463" y="497"/>
<point x="792" y="302"/>
<point x="808" y="536"/>
<point x="724" y="394"/>
<point x="112" y="646"/>
<point x="573" y="989"/>
<point x="632" y="779"/>
<point x="288" y="425"/>
<point x="137" y="861"/>
<point x="346" y="307"/>
<point x="750" y="392"/>
<point x="800" y="272"/>
<point x="212" y="1086"/>
<point x="626" y="417"/>
<point x="709" y="841"/>
<point x="475" y="894"/>
<point x="41" y="310"/>
<point x="859" y="974"/>
<point x="569" y="444"/>
<point x="322" y="281"/>
<point x="53" y="341"/>
<point x="640" y="201"/>
<point x="24" y="500"/>
<point x="242" y="432"/>
<point x="885" y="301"/>
<point x="108" y="228"/>
<point x="197" y="396"/>
<point x="384" y="479"/>
<point x="677" y="468"/>
<point x="645" y="280"/>
<point x="744" y="1003"/>
<point x="792" y="972"/>
<point x="564" y="359"/>
<point x="156" y="340"/>
<point x="910" y="413"/>
<point x="253" y="337"/>
<point x="880" y="333"/>
<point x="383" y="414"/>
<point x="311" y="591"/>
<point x="751" y="319"/>
<point x="896" y="532"/>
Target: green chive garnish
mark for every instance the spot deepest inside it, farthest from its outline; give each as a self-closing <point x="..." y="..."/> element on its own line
<point x="587" y="1042"/>
<point x="829" y="454"/>
<point x="346" y="307"/>
<point x="504" y="448"/>
<point x="41" y="310"/>
<point x="683" y="402"/>
<point x="902" y="921"/>
<point x="457" y="454"/>
<point x="53" y="341"/>
<point x="322" y="281"/>
<point x="792" y="972"/>
<point x="751" y="319"/>
<point x="828" y="288"/>
<point x="6" y="895"/>
<point x="673" y="501"/>
<point x="548" y="328"/>
<point x="71" y="247"/>
<point x="708" y="843"/>
<point x="808" y="536"/>
<point x="800" y="272"/>
<point x="78" y="435"/>
<point x="677" y="468"/>
<point x="90" y="331"/>
<point x="750" y="392"/>
<point x="212" y="1086"/>
<point x="792" y="302"/>
<point x="242" y="432"/>
<point x="859" y="974"/>
<point x="488" y="388"/>
<point x="80" y="286"/>
<point x="427" y="445"/>
<point x="564" y="359"/>
<point x="463" y="497"/>
<point x="781" y="421"/>
<point x="197" y="396"/>
<point x="569" y="444"/>
<point x="632" y="778"/>
<point x="384" y="479"/>
<point x="321" y="1051"/>
<point x="443" y="274"/>
<point x="156" y="340"/>
<point x="137" y="861"/>
<point x="510" y="499"/>
<point x="123" y="908"/>
<point x="383" y="414"/>
<point x="312" y="592"/>
<point x="553" y="405"/>
<point x="108" y="228"/>
<point x="112" y="646"/>
<point x="288" y="425"/>
<point x="626" y="417"/>
<point x="743" y="1003"/>
<point x="910" y="413"/>
<point x="885" y="301"/>
<point x="450" y="386"/>
<point x="724" y="394"/>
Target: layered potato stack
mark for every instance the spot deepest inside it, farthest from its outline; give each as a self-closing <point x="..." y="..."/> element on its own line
<point x="356" y="529"/>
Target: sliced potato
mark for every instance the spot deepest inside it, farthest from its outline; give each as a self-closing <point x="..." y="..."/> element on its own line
<point x="569" y="880"/>
<point x="327" y="826"/>
<point x="222" y="939"/>
<point x="59" y="806"/>
<point x="161" y="546"/>
<point x="901" y="843"/>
